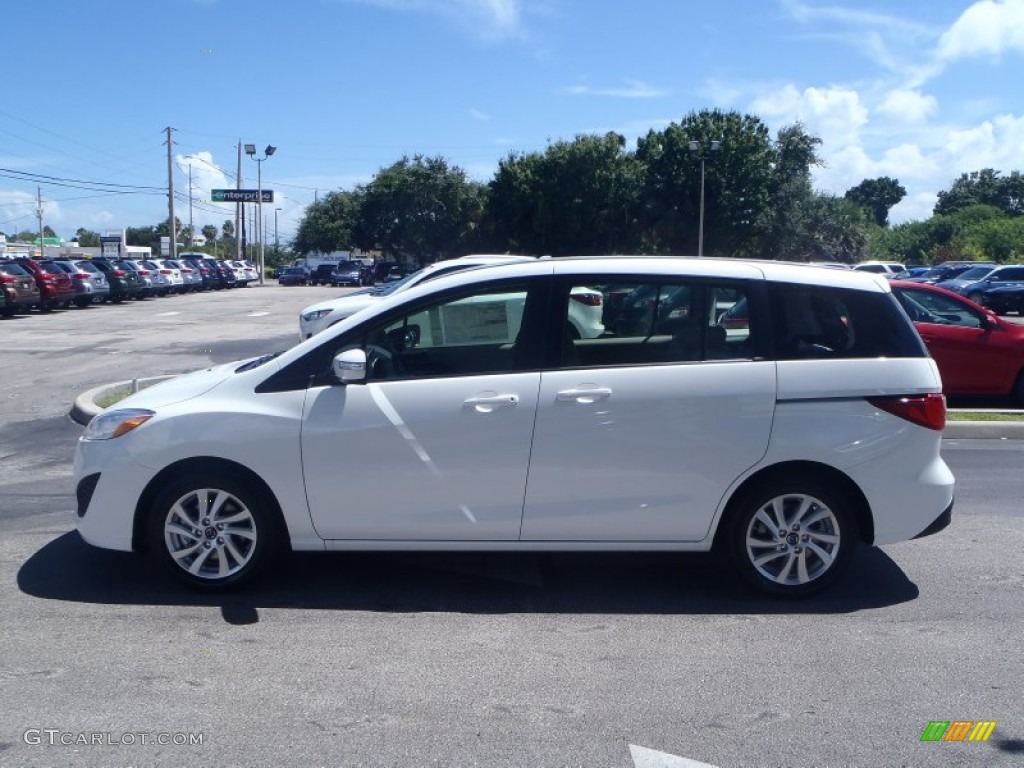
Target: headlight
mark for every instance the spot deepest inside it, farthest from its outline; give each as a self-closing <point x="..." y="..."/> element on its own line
<point x="309" y="317"/>
<point x="111" y="424"/>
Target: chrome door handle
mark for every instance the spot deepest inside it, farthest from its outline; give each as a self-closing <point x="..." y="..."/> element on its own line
<point x="583" y="394"/>
<point x="487" y="403"/>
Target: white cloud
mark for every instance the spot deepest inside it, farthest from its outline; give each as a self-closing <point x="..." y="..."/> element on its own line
<point x="477" y="114"/>
<point x="489" y="19"/>
<point x="989" y="27"/>
<point x="914" y="207"/>
<point x="908" y="106"/>
<point x="631" y="89"/>
<point x="835" y="115"/>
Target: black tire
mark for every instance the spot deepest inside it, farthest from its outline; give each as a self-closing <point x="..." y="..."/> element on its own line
<point x="807" y="557"/>
<point x="83" y="302"/>
<point x="226" y="554"/>
<point x="1018" y="389"/>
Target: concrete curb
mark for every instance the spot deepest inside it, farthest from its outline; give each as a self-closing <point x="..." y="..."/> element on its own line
<point x="84" y="408"/>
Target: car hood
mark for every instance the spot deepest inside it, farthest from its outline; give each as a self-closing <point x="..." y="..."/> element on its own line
<point x="180" y="388"/>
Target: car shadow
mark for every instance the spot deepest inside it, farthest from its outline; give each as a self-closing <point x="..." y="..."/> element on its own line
<point x="478" y="583"/>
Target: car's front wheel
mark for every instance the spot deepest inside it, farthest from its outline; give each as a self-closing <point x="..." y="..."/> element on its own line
<point x="792" y="538"/>
<point x="213" y="531"/>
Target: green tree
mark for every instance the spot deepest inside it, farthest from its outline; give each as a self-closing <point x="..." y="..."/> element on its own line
<point x="328" y="223"/>
<point x="877" y="197"/>
<point x="784" y="224"/>
<point x="837" y="229"/>
<point x="228" y="229"/>
<point x="87" y="238"/>
<point x="986" y="187"/>
<point x="579" y="197"/>
<point x="210" y="233"/>
<point x="738" y="179"/>
<point x="420" y="207"/>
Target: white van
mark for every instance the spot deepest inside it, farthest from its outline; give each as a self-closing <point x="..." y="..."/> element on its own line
<point x="779" y="414"/>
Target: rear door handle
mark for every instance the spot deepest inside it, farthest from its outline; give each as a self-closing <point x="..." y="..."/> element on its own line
<point x="583" y="394"/>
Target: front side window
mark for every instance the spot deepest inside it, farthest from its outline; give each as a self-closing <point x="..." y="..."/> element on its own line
<point x="460" y="335"/>
<point x="933" y="307"/>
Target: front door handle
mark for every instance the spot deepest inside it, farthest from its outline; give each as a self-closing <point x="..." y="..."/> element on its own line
<point x="485" y="403"/>
<point x="586" y="393"/>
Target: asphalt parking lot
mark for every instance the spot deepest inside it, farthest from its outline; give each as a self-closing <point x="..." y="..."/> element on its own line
<point x="496" y="660"/>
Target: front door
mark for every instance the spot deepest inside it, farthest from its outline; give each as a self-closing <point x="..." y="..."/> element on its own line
<point x="435" y="445"/>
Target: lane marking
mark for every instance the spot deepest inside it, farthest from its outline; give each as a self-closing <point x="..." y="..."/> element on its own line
<point x="257" y="314"/>
<point x="167" y="314"/>
<point x="651" y="758"/>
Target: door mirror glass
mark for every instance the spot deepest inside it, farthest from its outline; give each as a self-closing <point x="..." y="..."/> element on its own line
<point x="350" y="366"/>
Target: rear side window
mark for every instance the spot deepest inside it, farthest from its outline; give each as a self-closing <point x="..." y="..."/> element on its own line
<point x="810" y="321"/>
<point x="12" y="269"/>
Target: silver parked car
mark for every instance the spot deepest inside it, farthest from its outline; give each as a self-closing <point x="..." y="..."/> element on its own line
<point x="160" y="277"/>
<point x="91" y="284"/>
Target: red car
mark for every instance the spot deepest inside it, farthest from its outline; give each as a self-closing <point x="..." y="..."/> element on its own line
<point x="977" y="352"/>
<point x="55" y="286"/>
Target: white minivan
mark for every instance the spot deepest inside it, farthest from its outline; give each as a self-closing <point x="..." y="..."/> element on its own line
<point x="779" y="414"/>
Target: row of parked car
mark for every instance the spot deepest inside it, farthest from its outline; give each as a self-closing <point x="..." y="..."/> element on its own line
<point x="48" y="284"/>
<point x="999" y="287"/>
<point x="357" y="273"/>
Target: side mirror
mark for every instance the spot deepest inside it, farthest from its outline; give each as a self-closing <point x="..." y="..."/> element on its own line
<point x="349" y="366"/>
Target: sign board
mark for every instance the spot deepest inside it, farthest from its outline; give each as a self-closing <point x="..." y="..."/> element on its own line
<point x="110" y="246"/>
<point x="240" y="195"/>
<point x="165" y="246"/>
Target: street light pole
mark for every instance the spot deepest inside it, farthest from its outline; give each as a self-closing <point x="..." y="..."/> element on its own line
<point x="277" y="247"/>
<point x="250" y="149"/>
<point x="695" y="147"/>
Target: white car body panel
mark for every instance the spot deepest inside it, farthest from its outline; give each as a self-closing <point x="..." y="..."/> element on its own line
<point x="467" y="462"/>
<point x="624" y="465"/>
<point x="408" y="464"/>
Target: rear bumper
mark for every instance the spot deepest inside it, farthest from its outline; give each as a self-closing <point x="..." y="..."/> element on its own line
<point x="939" y="523"/>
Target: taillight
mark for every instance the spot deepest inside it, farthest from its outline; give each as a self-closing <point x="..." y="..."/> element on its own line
<point x="144" y="272"/>
<point x="165" y="271"/>
<point x="80" y="276"/>
<point x="590" y="299"/>
<point x="118" y="273"/>
<point x="6" y="278"/>
<point x="925" y="410"/>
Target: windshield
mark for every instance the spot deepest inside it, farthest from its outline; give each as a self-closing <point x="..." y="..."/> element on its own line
<point x="975" y="273"/>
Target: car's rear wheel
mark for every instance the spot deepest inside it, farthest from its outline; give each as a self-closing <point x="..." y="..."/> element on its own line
<point x="213" y="531"/>
<point x="1018" y="388"/>
<point x="791" y="537"/>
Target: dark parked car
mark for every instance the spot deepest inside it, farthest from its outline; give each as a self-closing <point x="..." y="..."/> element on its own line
<point x="974" y="285"/>
<point x="293" y="276"/>
<point x="1004" y="298"/>
<point x="124" y="283"/>
<point x="148" y="284"/>
<point x="90" y="285"/>
<point x="18" y="287"/>
<point x="321" y="274"/>
<point x="349" y="273"/>
<point x="221" y="273"/>
<point x="55" y="287"/>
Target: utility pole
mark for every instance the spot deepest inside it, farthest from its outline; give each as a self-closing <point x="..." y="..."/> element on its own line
<point x="191" y="231"/>
<point x="238" y="206"/>
<point x="170" y="193"/>
<point x="39" y="212"/>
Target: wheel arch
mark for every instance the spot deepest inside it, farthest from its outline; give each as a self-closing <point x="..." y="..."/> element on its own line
<point x="202" y="464"/>
<point x="800" y="470"/>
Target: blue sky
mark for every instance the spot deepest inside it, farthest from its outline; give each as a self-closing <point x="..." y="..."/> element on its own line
<point x="921" y="90"/>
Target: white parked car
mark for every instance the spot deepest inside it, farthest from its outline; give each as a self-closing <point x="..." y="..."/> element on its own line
<point x="884" y="268"/>
<point x="172" y="272"/>
<point x="584" y="316"/>
<point x="462" y="414"/>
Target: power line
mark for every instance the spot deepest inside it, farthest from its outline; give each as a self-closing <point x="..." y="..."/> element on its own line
<point x="42" y="177"/>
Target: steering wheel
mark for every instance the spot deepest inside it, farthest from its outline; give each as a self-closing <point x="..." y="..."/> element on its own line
<point x="382" y="362"/>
